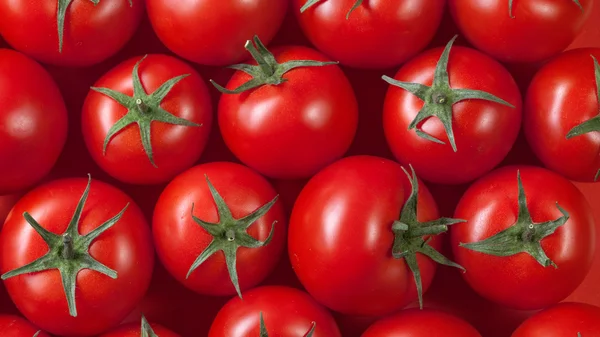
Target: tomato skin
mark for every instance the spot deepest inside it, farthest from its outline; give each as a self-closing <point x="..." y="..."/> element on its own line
<point x="563" y="319"/>
<point x="363" y="41"/>
<point x="92" y="33"/>
<point x="6" y="204"/>
<point x="33" y="122"/>
<point x="133" y="330"/>
<point x="214" y="32"/>
<point x="126" y="248"/>
<point x="288" y="312"/>
<point x="562" y="95"/>
<point x="484" y="131"/>
<point x="293" y="129"/>
<point x="519" y="281"/>
<point x="175" y="147"/>
<point x="551" y="25"/>
<point x="180" y="240"/>
<point x="15" y="326"/>
<point x="353" y="271"/>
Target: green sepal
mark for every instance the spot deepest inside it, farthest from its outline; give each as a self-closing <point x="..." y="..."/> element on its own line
<point x="265" y="333"/>
<point x="146" y="329"/>
<point x="510" y="7"/>
<point x="37" y="333"/>
<point x="310" y="3"/>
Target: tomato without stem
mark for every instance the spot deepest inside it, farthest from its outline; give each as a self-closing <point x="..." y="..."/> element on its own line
<point x="15" y="326"/>
<point x="563" y="319"/>
<point x="146" y="329"/>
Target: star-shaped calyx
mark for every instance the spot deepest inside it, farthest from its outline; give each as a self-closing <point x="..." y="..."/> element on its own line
<point x="310" y="3"/>
<point x="143" y="109"/>
<point x="510" y="7"/>
<point x="229" y="234"/>
<point x="412" y="237"/>
<point x="592" y="124"/>
<point x="268" y="71"/>
<point x="69" y="251"/>
<point x="524" y="236"/>
<point x="265" y="333"/>
<point x="440" y="97"/>
<point x="146" y="329"/>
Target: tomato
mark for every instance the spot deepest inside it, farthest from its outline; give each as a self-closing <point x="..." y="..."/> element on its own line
<point x="219" y="228"/>
<point x="346" y="241"/>
<point x="15" y="326"/>
<point x="146" y="329"/>
<point x="213" y="32"/>
<point x="92" y="32"/>
<point x="302" y="120"/>
<point x="33" y="121"/>
<point x="375" y="34"/>
<point x="563" y="319"/>
<point x="530" y="31"/>
<point x="148" y="119"/>
<point x="6" y="204"/>
<point x="285" y="312"/>
<point x="561" y="113"/>
<point x="98" y="243"/>
<point x="529" y="237"/>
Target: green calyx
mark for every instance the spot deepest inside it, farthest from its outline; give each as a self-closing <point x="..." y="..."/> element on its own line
<point x="510" y="7"/>
<point x="409" y="236"/>
<point x="143" y="109"/>
<point x="268" y="71"/>
<point x="146" y="329"/>
<point x="310" y="3"/>
<point x="38" y="333"/>
<point x="265" y="333"/>
<point x="229" y="234"/>
<point x="440" y="97"/>
<point x="68" y="252"/>
<point x="523" y="236"/>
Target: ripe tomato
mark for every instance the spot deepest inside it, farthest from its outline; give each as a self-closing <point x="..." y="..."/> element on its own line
<point x="561" y="320"/>
<point x="33" y="121"/>
<point x="213" y="32"/>
<point x="529" y="237"/>
<point x="15" y="326"/>
<point x="222" y="241"/>
<point x="530" y="31"/>
<point x="285" y="312"/>
<point x="303" y="119"/>
<point x="100" y="247"/>
<point x="92" y="32"/>
<point x="376" y="34"/>
<point x="146" y="329"/>
<point x="477" y="106"/>
<point x="563" y="95"/>
<point x="148" y="119"/>
<point x="346" y="243"/>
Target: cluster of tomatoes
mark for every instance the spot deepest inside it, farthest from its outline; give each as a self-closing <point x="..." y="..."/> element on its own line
<point x="247" y="169"/>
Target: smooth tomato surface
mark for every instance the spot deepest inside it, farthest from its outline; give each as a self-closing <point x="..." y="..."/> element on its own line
<point x="134" y="329"/>
<point x="15" y="326"/>
<point x="563" y="319"/>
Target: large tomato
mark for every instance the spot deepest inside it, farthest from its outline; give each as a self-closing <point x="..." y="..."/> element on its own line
<point x="561" y="320"/>
<point x="477" y="108"/>
<point x="145" y="329"/>
<point x="374" y="34"/>
<point x="219" y="228"/>
<point x="529" y="31"/>
<point x="76" y="258"/>
<point x="15" y="326"/>
<point x="69" y="32"/>
<point x="33" y="121"/>
<point x="213" y="32"/>
<point x="529" y="237"/>
<point x="562" y="114"/>
<point x="280" y="311"/>
<point x="148" y="119"/>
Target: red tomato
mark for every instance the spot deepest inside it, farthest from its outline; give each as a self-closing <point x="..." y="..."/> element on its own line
<point x="6" y="204"/>
<point x="376" y="34"/>
<point x="109" y="267"/>
<point x="561" y="320"/>
<point x="286" y="312"/>
<point x="533" y="30"/>
<point x="554" y="223"/>
<point x="137" y="330"/>
<point x="93" y="30"/>
<point x="33" y="121"/>
<point x="564" y="94"/>
<point x="470" y="136"/>
<point x="213" y="32"/>
<point x="174" y="111"/>
<point x="237" y="243"/>
<point x="15" y="326"/>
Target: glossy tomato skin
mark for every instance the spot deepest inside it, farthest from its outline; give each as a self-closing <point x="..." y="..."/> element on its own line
<point x="519" y="281"/>
<point x="92" y="32"/>
<point x="340" y="237"/>
<point x="540" y="28"/>
<point x="293" y="129"/>
<point x="15" y="326"/>
<point x="562" y="95"/>
<point x="563" y="319"/>
<point x="484" y="131"/>
<point x="214" y="32"/>
<point x="378" y="34"/>
<point x="133" y="330"/>
<point x="175" y="147"/>
<point x="180" y="240"/>
<point x="126" y="248"/>
<point x="287" y="312"/>
<point x="33" y="122"/>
